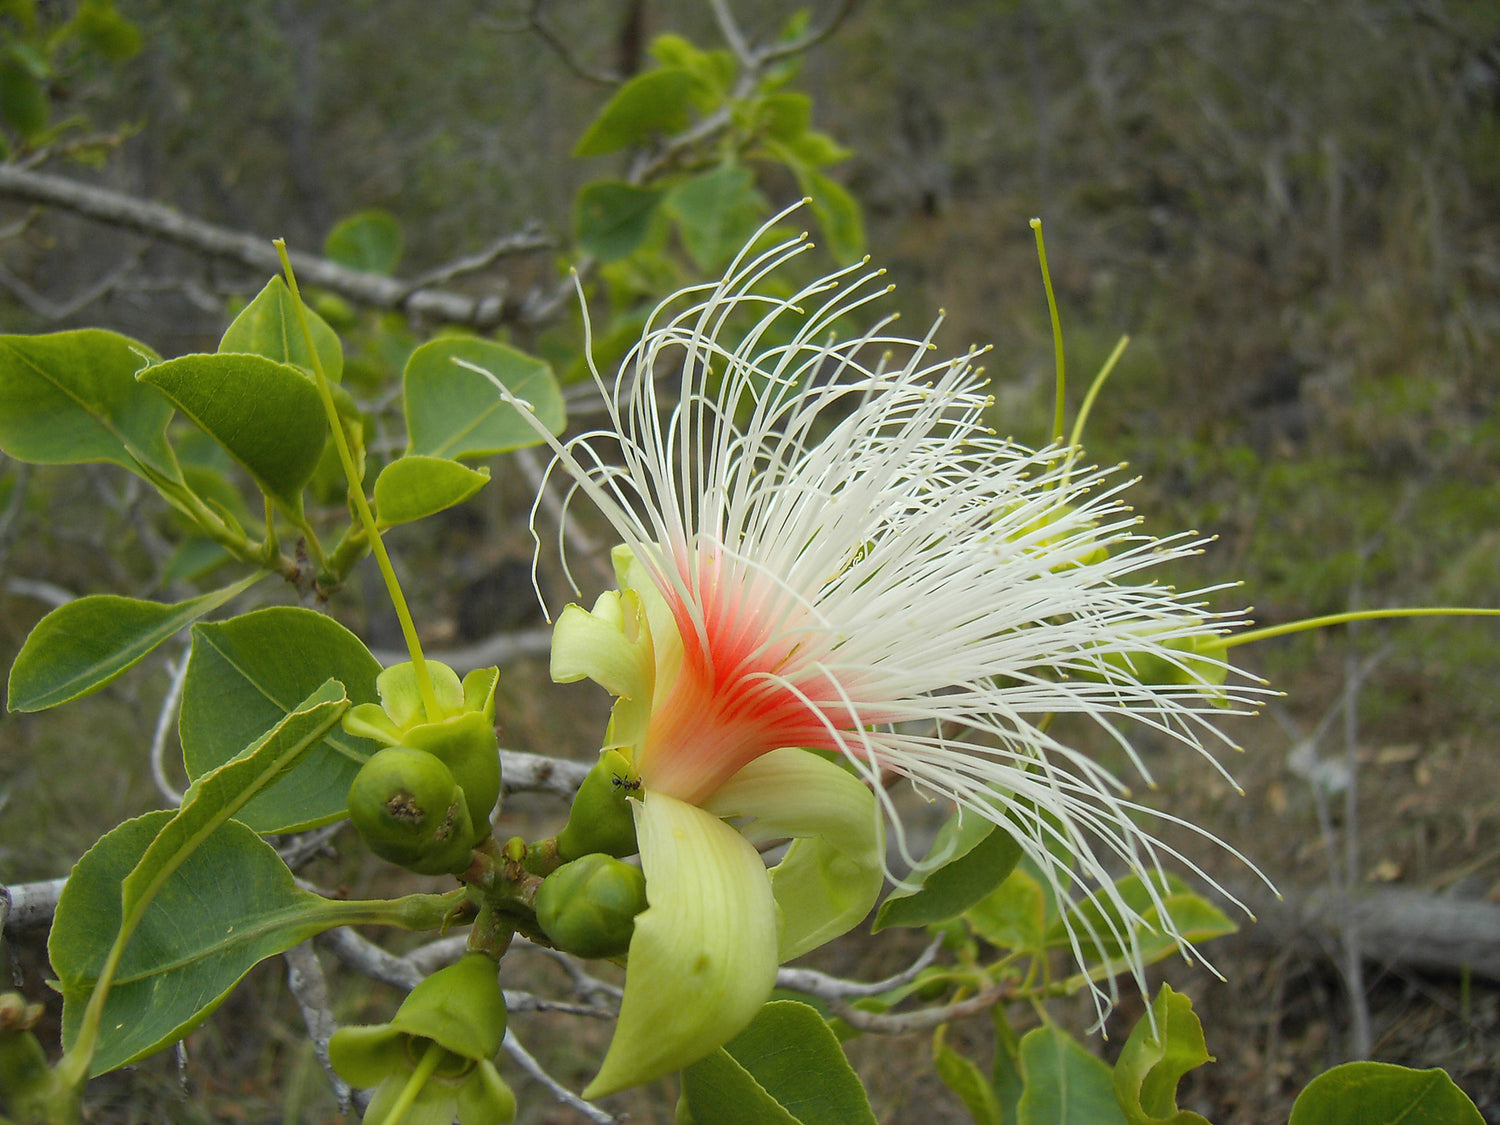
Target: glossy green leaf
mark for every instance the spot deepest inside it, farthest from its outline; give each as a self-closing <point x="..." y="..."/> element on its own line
<point x="968" y="860"/>
<point x="1369" y="1093"/>
<point x="71" y="397"/>
<point x="717" y="213"/>
<point x="266" y="414"/>
<point x="838" y="214"/>
<point x="650" y="105"/>
<point x="965" y="1079"/>
<point x="83" y="645"/>
<point x="414" y="487"/>
<point x="786" y="1068"/>
<point x="247" y="674"/>
<point x="612" y="218"/>
<point x="719" y="1091"/>
<point x="1154" y="1060"/>
<point x="366" y="240"/>
<point x="186" y="942"/>
<point x="268" y="327"/>
<point x="453" y="411"/>
<point x="230" y="904"/>
<point x="1012" y="917"/>
<point x="1065" y="1085"/>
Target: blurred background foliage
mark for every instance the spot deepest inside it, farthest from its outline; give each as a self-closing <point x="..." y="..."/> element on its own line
<point x="1292" y="207"/>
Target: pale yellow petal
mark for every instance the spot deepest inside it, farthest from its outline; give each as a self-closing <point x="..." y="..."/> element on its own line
<point x="703" y="958"/>
<point x="833" y="872"/>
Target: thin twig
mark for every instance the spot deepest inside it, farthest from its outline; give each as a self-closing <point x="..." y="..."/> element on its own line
<point x="368" y="959"/>
<point x="304" y="977"/>
<point x="49" y="309"/>
<point x="825" y="987"/>
<point x="528" y="240"/>
<point x="533" y="773"/>
<point x="564" y="52"/>
<point x="924" y="1019"/>
<point x="529" y="1064"/>
<point x="127" y="212"/>
<point x="164" y="726"/>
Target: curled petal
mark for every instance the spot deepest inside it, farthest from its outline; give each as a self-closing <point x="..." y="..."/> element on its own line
<point x="833" y="872"/>
<point x="703" y="958"/>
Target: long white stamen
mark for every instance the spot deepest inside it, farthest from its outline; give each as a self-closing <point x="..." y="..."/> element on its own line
<point x="837" y="529"/>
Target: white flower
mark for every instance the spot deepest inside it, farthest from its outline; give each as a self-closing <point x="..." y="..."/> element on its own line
<point x="828" y="548"/>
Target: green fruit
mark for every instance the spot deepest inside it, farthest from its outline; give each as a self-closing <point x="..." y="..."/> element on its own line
<point x="467" y="745"/>
<point x="588" y="907"/>
<point x="410" y="811"/>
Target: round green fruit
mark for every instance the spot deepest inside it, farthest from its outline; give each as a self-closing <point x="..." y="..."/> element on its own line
<point x="410" y="811"/>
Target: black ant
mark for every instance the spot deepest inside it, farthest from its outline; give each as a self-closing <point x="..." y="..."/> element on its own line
<point x="629" y="784"/>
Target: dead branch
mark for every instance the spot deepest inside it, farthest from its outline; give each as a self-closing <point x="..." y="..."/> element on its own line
<point x="126" y="212"/>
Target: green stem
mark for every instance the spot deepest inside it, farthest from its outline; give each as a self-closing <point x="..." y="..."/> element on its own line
<point x="357" y="495"/>
<point x="419" y="1076"/>
<point x="1353" y="615"/>
<point x="1059" y="414"/>
<point x="1076" y="437"/>
<point x="410" y="912"/>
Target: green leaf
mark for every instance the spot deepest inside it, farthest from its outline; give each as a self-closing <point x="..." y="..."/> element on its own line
<point x="1369" y="1093"/>
<point x="1014" y="916"/>
<point x="104" y="31"/>
<point x="966" y="1080"/>
<point x="83" y="645"/>
<point x="247" y="674"/>
<point x="1005" y="1075"/>
<point x="268" y="327"/>
<point x="784" y="116"/>
<point x="786" y="1068"/>
<point x="414" y="487"/>
<point x="612" y="218"/>
<point x="23" y="98"/>
<point x="455" y="412"/>
<point x="713" y="71"/>
<point x="719" y="1091"/>
<point x="1154" y="1061"/>
<point x="71" y="397"/>
<point x="266" y="414"/>
<point x="838" y="214"/>
<point x="1101" y="931"/>
<point x="717" y="213"/>
<point x="366" y="240"/>
<point x="969" y="858"/>
<point x="229" y="904"/>
<point x="652" y="104"/>
<point x="1065" y="1085"/>
<point x="185" y="941"/>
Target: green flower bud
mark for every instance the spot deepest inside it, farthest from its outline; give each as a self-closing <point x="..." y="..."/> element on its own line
<point x="588" y="907"/>
<point x="410" y="811"/>
<point x="461" y="735"/>
<point x="601" y="820"/>
<point x="458" y="1011"/>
